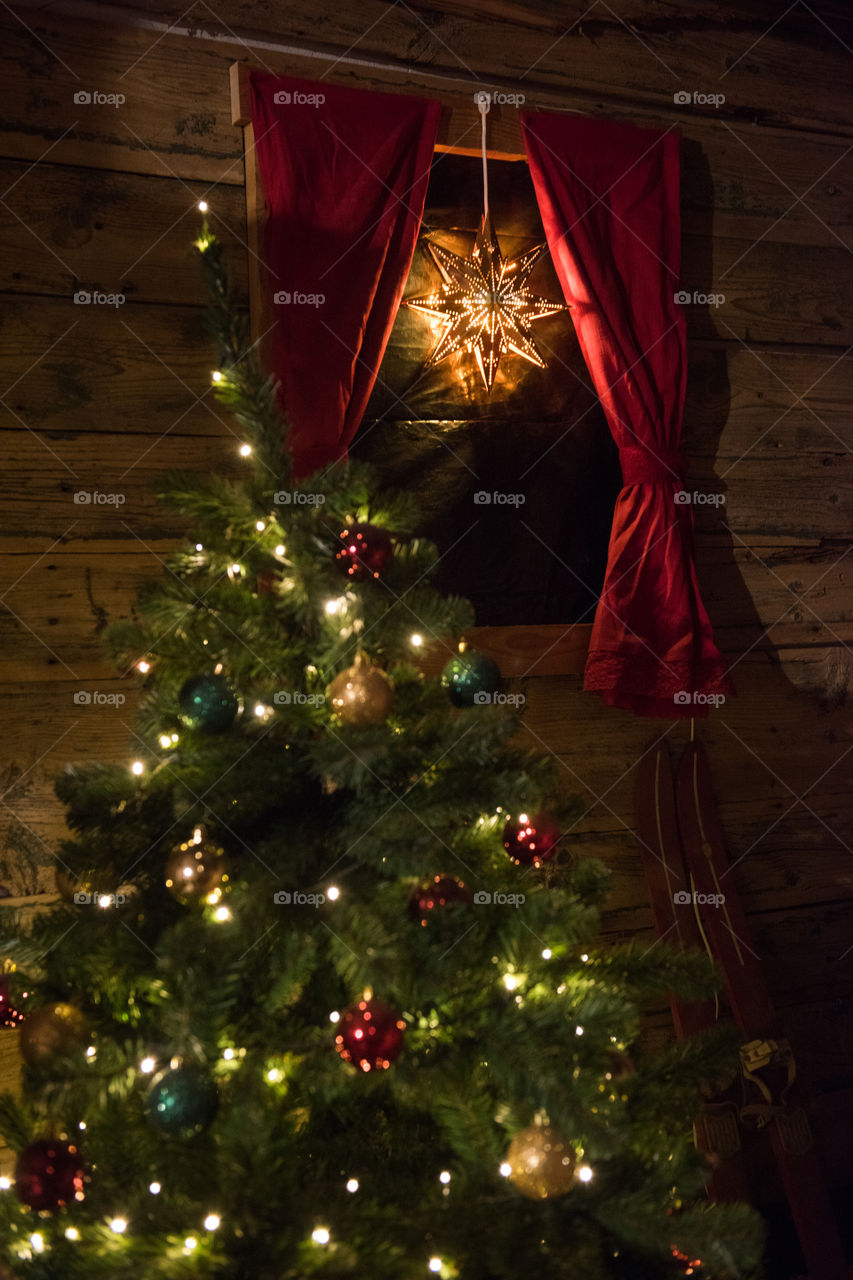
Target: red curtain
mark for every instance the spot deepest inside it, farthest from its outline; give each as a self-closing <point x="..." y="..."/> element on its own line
<point x="344" y="175"/>
<point x="609" y="199"/>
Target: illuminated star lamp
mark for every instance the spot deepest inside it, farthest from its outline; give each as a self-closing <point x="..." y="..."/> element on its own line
<point x="484" y="302"/>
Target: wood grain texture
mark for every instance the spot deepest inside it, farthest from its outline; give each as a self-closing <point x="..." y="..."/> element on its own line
<point x="116" y="397"/>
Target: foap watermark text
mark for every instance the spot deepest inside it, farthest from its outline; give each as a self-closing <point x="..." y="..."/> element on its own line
<point x="684" y="498"/>
<point x="682" y="898"/>
<point x="483" y="898"/>
<point x="696" y="698"/>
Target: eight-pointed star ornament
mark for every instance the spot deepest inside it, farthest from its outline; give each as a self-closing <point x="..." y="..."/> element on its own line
<point x="485" y="304"/>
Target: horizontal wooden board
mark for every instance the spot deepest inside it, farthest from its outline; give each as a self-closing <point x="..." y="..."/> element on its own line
<point x="765" y="598"/>
<point x="745" y="399"/>
<point x="94" y="368"/>
<point x="175" y="122"/>
<point x="155" y="132"/>
<point x="136" y="369"/>
<point x="43" y="473"/>
<point x="750" y="63"/>
<point x="118" y="475"/>
<point x="69" y="229"/>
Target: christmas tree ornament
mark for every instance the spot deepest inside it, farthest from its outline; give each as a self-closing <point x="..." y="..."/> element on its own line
<point x="471" y="679"/>
<point x="49" y="1174"/>
<point x="531" y="840"/>
<point x="370" y="1035"/>
<point x="181" y="1102"/>
<point x="197" y="870"/>
<point x="11" y="1014"/>
<point x="429" y="899"/>
<point x="364" y="552"/>
<point x="208" y="703"/>
<point x="362" y="695"/>
<point x="541" y="1163"/>
<point x="484" y="302"/>
<point x="50" y="1030"/>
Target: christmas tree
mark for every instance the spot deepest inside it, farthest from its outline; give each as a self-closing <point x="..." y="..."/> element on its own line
<point x="323" y="997"/>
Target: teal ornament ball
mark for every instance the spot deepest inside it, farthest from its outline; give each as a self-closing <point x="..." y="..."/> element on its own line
<point x="208" y="703"/>
<point x="471" y="679"/>
<point x="181" y="1102"/>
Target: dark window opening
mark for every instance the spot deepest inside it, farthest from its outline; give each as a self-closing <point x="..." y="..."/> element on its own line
<point x="537" y="552"/>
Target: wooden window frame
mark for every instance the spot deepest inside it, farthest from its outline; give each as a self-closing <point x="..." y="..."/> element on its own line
<point x="550" y="649"/>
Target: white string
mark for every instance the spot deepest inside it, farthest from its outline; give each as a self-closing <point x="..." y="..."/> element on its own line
<point x="483" y="104"/>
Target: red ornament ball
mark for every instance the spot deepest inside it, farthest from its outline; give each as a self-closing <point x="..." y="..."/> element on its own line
<point x="370" y="1035"/>
<point x="531" y="839"/>
<point x="49" y="1174"/>
<point x="365" y="551"/>
<point x="437" y="893"/>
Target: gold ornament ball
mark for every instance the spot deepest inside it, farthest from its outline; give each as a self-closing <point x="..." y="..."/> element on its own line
<point x="52" y="1029"/>
<point x="196" y="870"/>
<point x="542" y="1164"/>
<point x="362" y="695"/>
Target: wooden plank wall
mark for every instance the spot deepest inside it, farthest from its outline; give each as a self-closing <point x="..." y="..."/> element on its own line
<point x="98" y="397"/>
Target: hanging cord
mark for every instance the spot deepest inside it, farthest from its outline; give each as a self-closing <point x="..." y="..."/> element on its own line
<point x="483" y="104"/>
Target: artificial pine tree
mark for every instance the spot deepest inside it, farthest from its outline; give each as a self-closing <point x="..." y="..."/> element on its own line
<point x="323" y="997"/>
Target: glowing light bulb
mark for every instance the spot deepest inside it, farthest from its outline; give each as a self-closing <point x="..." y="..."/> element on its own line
<point x="352" y="1184"/>
<point x="260" y="526"/>
<point x="274" y="1075"/>
<point x="334" y="1016"/>
<point x="199" y="546"/>
<point x="416" y="640"/>
<point x="260" y="709"/>
<point x="147" y="1064"/>
<point x="71" y="1233"/>
<point x="82" y="1124"/>
<point x="510" y="981"/>
<point x="435" y="1264"/>
<point x="578" y="1031"/>
<point x="91" y="1051"/>
<point x="333" y="606"/>
<point x="118" y="1225"/>
<point x="236" y="569"/>
<point x="245" y="450"/>
<point x="280" y="549"/>
<point x="228" y="1055"/>
<point x="320" y="1235"/>
<point x="5" y="1184"/>
<point x="212" y="1221"/>
<point x="105" y="901"/>
<point x="165" y="740"/>
<point x="584" y="957"/>
<point x="221" y="914"/>
<point x="202" y="206"/>
<point x="505" y="1170"/>
<point x="584" y="1173"/>
<point x="154" y="1188"/>
<point x="143" y="666"/>
<point x="216" y="376"/>
<point x="137" y="767"/>
<point x="190" y="1243"/>
<point x="444" y="1176"/>
<point x="547" y="953"/>
<point x="37" y="1241"/>
<point x="333" y="893"/>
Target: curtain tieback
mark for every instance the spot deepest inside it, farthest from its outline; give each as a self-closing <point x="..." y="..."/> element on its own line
<point x="651" y="466"/>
